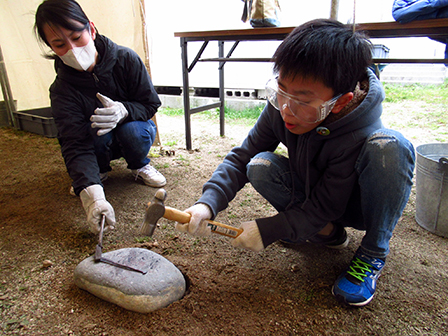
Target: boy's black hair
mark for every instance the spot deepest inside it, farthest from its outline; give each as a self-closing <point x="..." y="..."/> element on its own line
<point x="60" y="13"/>
<point x="325" y="50"/>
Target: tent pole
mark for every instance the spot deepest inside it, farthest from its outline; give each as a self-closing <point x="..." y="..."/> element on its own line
<point x="147" y="64"/>
<point x="334" y="9"/>
<point x="7" y="93"/>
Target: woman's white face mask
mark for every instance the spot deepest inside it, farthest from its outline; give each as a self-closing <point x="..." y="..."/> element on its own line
<point x="80" y="58"/>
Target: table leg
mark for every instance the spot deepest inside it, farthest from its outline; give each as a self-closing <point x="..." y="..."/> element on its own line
<point x="186" y="93"/>
<point x="221" y="90"/>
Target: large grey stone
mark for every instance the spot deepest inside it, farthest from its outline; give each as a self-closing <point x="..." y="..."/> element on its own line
<point x="162" y="285"/>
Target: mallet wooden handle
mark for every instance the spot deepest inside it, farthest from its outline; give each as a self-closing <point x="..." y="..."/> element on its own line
<point x="216" y="227"/>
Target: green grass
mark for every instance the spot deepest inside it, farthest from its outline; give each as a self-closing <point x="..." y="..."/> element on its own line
<point x="171" y="112"/>
<point x="417" y="92"/>
<point x="435" y="96"/>
<point x="248" y="116"/>
<point x="417" y="109"/>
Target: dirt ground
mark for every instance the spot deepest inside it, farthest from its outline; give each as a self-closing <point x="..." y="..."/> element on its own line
<point x="280" y="291"/>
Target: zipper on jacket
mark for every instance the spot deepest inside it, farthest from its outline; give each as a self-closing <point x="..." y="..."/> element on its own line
<point x="304" y="146"/>
<point x="95" y="78"/>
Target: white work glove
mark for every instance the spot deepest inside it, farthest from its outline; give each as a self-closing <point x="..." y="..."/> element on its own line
<point x="197" y="226"/>
<point x="250" y="239"/>
<point x="107" y="118"/>
<point x="95" y="204"/>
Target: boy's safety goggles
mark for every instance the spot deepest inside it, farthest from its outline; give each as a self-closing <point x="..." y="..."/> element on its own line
<point x="310" y="112"/>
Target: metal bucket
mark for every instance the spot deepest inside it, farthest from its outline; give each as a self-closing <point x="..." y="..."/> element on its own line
<point x="432" y="188"/>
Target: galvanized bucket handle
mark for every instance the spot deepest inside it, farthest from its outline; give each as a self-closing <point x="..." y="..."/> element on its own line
<point x="443" y="166"/>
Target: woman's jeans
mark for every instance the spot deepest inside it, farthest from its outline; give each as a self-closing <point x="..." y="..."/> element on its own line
<point x="131" y="140"/>
<point x="383" y="191"/>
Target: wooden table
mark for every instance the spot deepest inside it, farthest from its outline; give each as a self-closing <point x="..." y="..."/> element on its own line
<point x="436" y="28"/>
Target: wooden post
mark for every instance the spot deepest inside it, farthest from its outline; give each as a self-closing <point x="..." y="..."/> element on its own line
<point x="7" y="93"/>
<point x="334" y="9"/>
<point x="146" y="60"/>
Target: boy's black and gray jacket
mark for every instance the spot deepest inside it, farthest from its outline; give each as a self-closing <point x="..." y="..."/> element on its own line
<point x="120" y="75"/>
<point x="324" y="161"/>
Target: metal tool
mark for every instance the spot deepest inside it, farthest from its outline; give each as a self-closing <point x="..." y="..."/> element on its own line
<point x="99" y="251"/>
<point x="157" y="210"/>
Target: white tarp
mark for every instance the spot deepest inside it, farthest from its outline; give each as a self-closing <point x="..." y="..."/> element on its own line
<point x="30" y="75"/>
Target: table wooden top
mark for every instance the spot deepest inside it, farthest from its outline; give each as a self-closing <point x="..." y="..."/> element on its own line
<point x="237" y="34"/>
<point x="420" y="28"/>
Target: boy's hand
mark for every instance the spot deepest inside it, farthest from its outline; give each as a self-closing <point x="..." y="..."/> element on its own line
<point x="250" y="239"/>
<point x="197" y="226"/>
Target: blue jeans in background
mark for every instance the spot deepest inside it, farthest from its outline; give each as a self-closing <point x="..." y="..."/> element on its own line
<point x="131" y="140"/>
<point x="383" y="193"/>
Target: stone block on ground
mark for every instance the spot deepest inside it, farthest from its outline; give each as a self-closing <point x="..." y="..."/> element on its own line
<point x="162" y="285"/>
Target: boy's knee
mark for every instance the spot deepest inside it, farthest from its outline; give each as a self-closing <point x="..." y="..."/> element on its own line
<point x="387" y="139"/>
<point x="389" y="148"/>
<point x="384" y="144"/>
<point x="383" y="138"/>
<point x="259" y="164"/>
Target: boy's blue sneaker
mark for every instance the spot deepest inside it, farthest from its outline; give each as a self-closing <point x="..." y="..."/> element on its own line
<point x="356" y="286"/>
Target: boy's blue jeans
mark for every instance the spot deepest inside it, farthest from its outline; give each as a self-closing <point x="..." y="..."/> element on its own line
<point x="383" y="192"/>
<point x="131" y="140"/>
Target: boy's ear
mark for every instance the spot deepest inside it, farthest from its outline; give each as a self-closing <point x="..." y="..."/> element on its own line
<point x="342" y="102"/>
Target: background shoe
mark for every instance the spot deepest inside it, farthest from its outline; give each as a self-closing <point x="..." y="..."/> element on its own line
<point x="356" y="285"/>
<point x="337" y="239"/>
<point x="150" y="176"/>
<point x="291" y="244"/>
<point x="103" y="176"/>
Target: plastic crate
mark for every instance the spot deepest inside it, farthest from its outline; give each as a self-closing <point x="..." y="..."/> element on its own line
<point x="380" y="51"/>
<point x="38" y="121"/>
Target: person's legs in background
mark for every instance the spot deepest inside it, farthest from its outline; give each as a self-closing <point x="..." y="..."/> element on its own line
<point x="132" y="140"/>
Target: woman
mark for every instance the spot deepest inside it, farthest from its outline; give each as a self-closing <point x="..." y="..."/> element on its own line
<point x="102" y="101"/>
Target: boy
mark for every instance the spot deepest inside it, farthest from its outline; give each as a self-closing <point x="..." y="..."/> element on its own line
<point x="344" y="168"/>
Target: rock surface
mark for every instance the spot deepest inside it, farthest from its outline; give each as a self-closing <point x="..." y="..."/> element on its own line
<point x="162" y="285"/>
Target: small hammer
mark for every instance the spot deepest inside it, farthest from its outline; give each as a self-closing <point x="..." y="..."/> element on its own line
<point x="157" y="210"/>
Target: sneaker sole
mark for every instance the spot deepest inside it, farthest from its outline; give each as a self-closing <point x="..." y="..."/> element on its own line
<point x="341" y="299"/>
<point x="340" y="246"/>
<point x="291" y="244"/>
<point x="150" y="185"/>
<point x="334" y="247"/>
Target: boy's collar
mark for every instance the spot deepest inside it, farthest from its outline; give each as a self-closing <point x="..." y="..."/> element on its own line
<point x="360" y="92"/>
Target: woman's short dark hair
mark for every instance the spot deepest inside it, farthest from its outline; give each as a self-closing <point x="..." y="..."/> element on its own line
<point x="61" y="13"/>
<point x="325" y="50"/>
